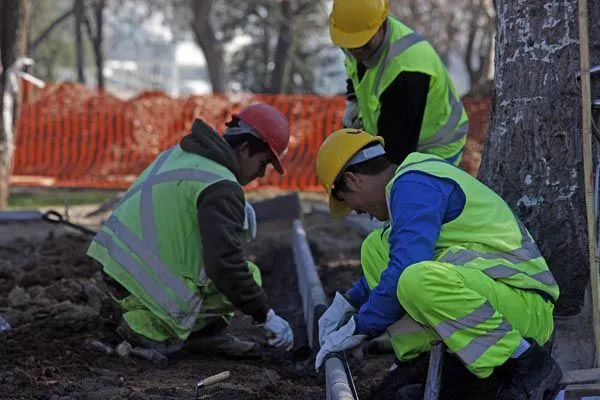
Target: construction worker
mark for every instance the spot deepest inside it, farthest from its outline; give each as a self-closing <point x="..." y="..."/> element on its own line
<point x="172" y="251"/>
<point x="455" y="265"/>
<point x="398" y="86"/>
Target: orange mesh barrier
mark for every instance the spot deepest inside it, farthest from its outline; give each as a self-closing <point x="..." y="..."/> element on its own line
<point x="70" y="136"/>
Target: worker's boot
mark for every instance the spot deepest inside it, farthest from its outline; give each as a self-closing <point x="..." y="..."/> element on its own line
<point x="532" y="376"/>
<point x="166" y="348"/>
<point x="215" y="340"/>
<point x="401" y="374"/>
<point x="411" y="392"/>
<point x="457" y="383"/>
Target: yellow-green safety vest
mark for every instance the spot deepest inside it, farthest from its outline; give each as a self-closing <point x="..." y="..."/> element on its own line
<point x="151" y="244"/>
<point x="487" y="235"/>
<point x="445" y="121"/>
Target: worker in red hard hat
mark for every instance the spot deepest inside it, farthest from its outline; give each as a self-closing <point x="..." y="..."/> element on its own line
<point x="172" y="252"/>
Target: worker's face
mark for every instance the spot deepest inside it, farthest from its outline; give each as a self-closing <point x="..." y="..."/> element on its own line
<point x="252" y="166"/>
<point x="364" y="52"/>
<point x="365" y="195"/>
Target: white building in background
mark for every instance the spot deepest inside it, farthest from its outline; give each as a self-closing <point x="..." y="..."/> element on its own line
<point x="175" y="68"/>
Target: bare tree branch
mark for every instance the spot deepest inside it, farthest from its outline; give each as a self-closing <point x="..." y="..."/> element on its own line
<point x="40" y="38"/>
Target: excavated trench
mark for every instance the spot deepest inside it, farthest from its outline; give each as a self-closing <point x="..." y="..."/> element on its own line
<point x="50" y="292"/>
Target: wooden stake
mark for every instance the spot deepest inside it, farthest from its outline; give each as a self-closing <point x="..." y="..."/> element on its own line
<point x="586" y="129"/>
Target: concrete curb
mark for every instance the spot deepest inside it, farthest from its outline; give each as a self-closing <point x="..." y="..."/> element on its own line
<point x="314" y="303"/>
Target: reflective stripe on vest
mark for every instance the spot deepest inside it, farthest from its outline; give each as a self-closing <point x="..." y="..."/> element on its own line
<point x="528" y="250"/>
<point x="396" y="49"/>
<point x="475" y="349"/>
<point x="146" y="248"/>
<point x="404" y="326"/>
<point x="448" y="133"/>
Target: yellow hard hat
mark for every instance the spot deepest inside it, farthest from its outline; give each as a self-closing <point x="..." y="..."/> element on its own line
<point x="352" y="23"/>
<point x="335" y="152"/>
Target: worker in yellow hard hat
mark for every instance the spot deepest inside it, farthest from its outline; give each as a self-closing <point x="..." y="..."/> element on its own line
<point x="455" y="265"/>
<point x="398" y="86"/>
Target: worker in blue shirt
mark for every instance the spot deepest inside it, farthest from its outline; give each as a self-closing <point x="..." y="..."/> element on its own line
<point x="455" y="265"/>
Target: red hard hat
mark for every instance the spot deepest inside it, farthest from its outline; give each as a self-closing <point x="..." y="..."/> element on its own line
<point x="271" y="125"/>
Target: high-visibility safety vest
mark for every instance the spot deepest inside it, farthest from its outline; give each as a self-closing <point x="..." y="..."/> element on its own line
<point x="445" y="122"/>
<point x="151" y="244"/>
<point x="487" y="235"/>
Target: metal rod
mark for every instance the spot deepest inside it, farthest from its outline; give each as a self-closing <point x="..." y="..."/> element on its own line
<point x="434" y="371"/>
<point x="338" y="386"/>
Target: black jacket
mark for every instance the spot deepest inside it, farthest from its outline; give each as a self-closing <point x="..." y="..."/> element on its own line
<point x="401" y="115"/>
<point x="220" y="220"/>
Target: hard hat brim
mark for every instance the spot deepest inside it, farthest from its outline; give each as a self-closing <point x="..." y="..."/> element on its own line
<point x="349" y="40"/>
<point x="338" y="209"/>
<point x="276" y="162"/>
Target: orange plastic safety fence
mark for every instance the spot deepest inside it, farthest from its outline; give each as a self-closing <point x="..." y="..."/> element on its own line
<point x="71" y="136"/>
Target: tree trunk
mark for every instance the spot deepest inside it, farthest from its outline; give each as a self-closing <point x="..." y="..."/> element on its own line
<point x="13" y="28"/>
<point x="284" y="50"/>
<point x="211" y="47"/>
<point x="99" y="13"/>
<point x="97" y="38"/>
<point x="533" y="155"/>
<point x="79" y="52"/>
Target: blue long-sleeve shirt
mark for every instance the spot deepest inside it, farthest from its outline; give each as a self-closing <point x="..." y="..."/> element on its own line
<point x="420" y="203"/>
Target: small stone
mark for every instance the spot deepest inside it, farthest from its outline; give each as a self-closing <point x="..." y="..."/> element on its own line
<point x="18" y="296"/>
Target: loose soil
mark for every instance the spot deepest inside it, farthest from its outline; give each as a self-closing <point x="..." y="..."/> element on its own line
<point x="51" y="294"/>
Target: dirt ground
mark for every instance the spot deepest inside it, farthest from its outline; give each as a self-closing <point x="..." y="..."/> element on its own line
<point x="51" y="294"/>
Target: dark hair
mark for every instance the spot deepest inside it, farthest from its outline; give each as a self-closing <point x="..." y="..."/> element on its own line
<point x="373" y="166"/>
<point x="255" y="144"/>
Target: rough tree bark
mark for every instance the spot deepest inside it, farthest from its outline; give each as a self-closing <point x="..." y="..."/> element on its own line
<point x="533" y="156"/>
<point x="208" y="42"/>
<point x="13" y="28"/>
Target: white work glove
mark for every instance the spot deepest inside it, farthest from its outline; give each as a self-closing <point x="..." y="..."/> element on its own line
<point x="340" y="340"/>
<point x="334" y="316"/>
<point x="282" y="333"/>
<point x="350" y="118"/>
<point x="249" y="223"/>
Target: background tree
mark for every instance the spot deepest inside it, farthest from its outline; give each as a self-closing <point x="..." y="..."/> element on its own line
<point x="94" y="23"/>
<point x="50" y="37"/>
<point x="13" y="39"/>
<point x="282" y="54"/>
<point x="464" y="28"/>
<point x="279" y="46"/>
<point x="533" y="155"/>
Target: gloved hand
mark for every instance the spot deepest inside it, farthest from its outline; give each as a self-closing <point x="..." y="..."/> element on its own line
<point x="279" y="327"/>
<point x="342" y="339"/>
<point x="350" y="118"/>
<point x="334" y="316"/>
<point x="249" y="223"/>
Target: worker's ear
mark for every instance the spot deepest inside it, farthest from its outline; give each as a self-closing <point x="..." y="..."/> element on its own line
<point x="243" y="150"/>
<point x="353" y="181"/>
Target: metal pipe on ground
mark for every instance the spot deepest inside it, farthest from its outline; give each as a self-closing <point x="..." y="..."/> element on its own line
<point x="314" y="303"/>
